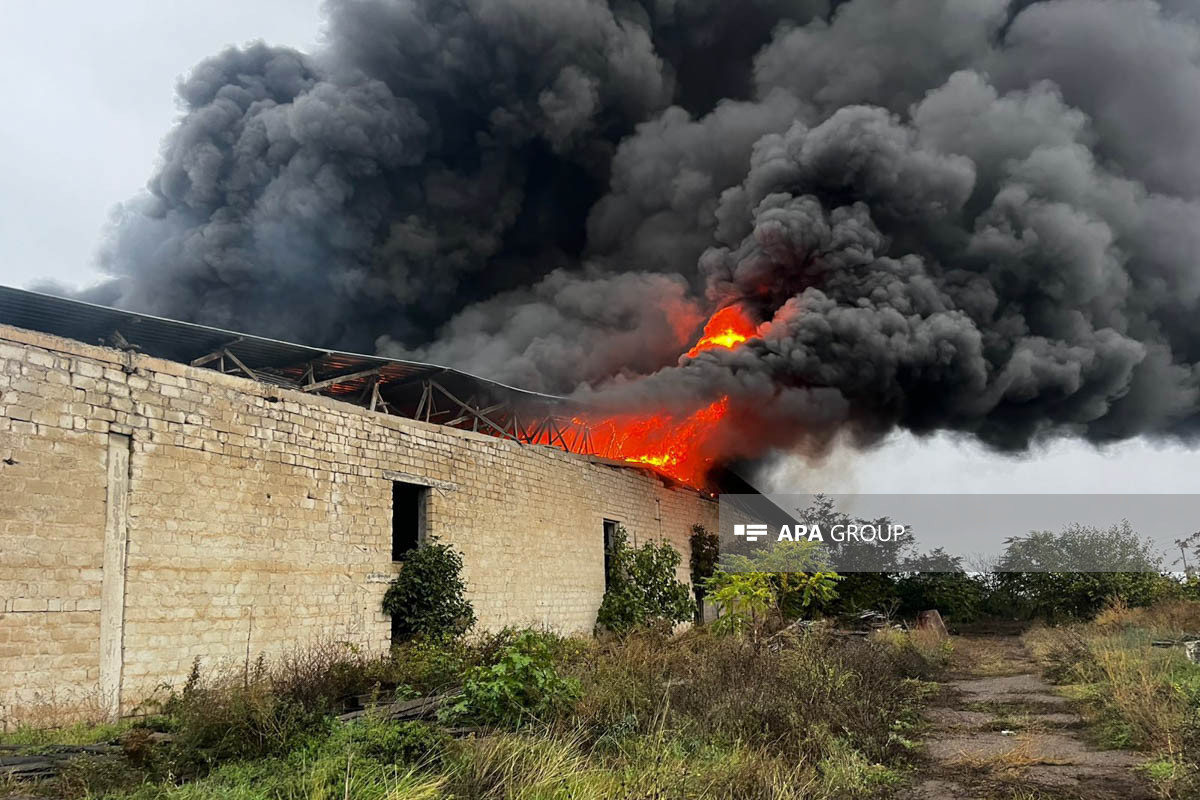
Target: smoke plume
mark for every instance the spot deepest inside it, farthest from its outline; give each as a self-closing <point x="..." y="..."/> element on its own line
<point x="969" y="215"/>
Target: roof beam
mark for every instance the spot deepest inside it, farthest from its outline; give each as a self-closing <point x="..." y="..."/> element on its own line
<point x="326" y="383"/>
<point x="215" y="354"/>
<point x="473" y="412"/>
<point x="238" y="362"/>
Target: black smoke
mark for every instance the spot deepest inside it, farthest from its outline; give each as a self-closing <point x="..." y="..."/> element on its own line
<point x="974" y="215"/>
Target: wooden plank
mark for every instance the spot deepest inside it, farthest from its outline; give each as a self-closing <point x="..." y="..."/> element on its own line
<point x="419" y="708"/>
<point x="214" y="355"/>
<point x="238" y="362"/>
<point x="353" y="376"/>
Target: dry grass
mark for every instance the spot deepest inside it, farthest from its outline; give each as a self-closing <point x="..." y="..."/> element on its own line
<point x="729" y="688"/>
<point x="1022" y="755"/>
<point x="515" y="766"/>
<point x="1170" y="618"/>
<point x="1139" y="695"/>
<point x="1134" y="694"/>
<point x="690" y="716"/>
<point x="53" y="710"/>
<point x="986" y="657"/>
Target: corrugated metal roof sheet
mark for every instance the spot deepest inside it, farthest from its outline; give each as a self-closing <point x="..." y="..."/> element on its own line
<point x="284" y="363"/>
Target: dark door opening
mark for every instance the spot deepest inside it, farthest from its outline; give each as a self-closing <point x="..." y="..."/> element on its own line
<point x="610" y="532"/>
<point x="408" y="517"/>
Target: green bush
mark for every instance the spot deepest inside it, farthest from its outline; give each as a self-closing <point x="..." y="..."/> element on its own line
<point x="799" y="580"/>
<point x="426" y="596"/>
<point x="642" y="588"/>
<point x="398" y="743"/>
<point x="522" y="686"/>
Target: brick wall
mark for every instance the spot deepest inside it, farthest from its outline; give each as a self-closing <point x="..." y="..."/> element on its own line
<point x="152" y="513"/>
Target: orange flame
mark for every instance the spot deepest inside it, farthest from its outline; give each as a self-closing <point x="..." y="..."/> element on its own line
<point x="681" y="448"/>
<point x="727" y="328"/>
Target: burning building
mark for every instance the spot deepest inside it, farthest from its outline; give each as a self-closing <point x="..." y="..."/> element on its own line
<point x="725" y="231"/>
<point x="171" y="492"/>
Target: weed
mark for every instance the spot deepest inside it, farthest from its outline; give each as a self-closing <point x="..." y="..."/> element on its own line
<point x="77" y="733"/>
<point x="648" y="715"/>
<point x="1135" y="695"/>
<point x="523" y="686"/>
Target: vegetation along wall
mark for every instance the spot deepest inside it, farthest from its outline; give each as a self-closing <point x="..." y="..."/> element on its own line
<point x="152" y="512"/>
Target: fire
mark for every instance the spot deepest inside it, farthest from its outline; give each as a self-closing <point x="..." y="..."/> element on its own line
<point x="727" y="328"/>
<point x="681" y="448"/>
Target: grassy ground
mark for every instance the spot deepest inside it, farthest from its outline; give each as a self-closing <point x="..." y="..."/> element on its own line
<point x="1135" y="695"/>
<point x="692" y="716"/>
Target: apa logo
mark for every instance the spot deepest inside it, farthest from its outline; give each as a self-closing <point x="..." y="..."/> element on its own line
<point x="751" y="533"/>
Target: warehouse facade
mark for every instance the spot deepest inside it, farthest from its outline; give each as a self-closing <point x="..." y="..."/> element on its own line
<point x="153" y="512"/>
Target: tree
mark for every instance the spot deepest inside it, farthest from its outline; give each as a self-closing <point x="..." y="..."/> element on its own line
<point x="775" y="584"/>
<point x="938" y="580"/>
<point x="1059" y="574"/>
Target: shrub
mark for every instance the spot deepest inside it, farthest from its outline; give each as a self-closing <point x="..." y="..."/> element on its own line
<point x="724" y="689"/>
<point x="523" y="686"/>
<point x="771" y="586"/>
<point x="746" y="600"/>
<point x="426" y="596"/>
<point x="399" y="743"/>
<point x="642" y="587"/>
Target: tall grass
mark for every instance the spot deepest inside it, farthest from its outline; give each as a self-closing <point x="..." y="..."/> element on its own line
<point x="690" y="716"/>
<point x="1137" y="695"/>
<point x="336" y="766"/>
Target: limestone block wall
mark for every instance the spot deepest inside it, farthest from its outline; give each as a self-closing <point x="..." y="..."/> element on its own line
<point x="152" y="513"/>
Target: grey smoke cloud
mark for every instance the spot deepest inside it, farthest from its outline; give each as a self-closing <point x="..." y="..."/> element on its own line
<point x="965" y="215"/>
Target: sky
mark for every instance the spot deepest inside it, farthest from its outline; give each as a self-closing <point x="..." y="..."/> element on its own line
<point x="89" y="93"/>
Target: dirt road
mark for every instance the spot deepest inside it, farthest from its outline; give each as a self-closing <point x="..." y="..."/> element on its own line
<point x="1000" y="732"/>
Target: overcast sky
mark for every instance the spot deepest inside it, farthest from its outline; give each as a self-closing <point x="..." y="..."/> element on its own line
<point x="88" y="92"/>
